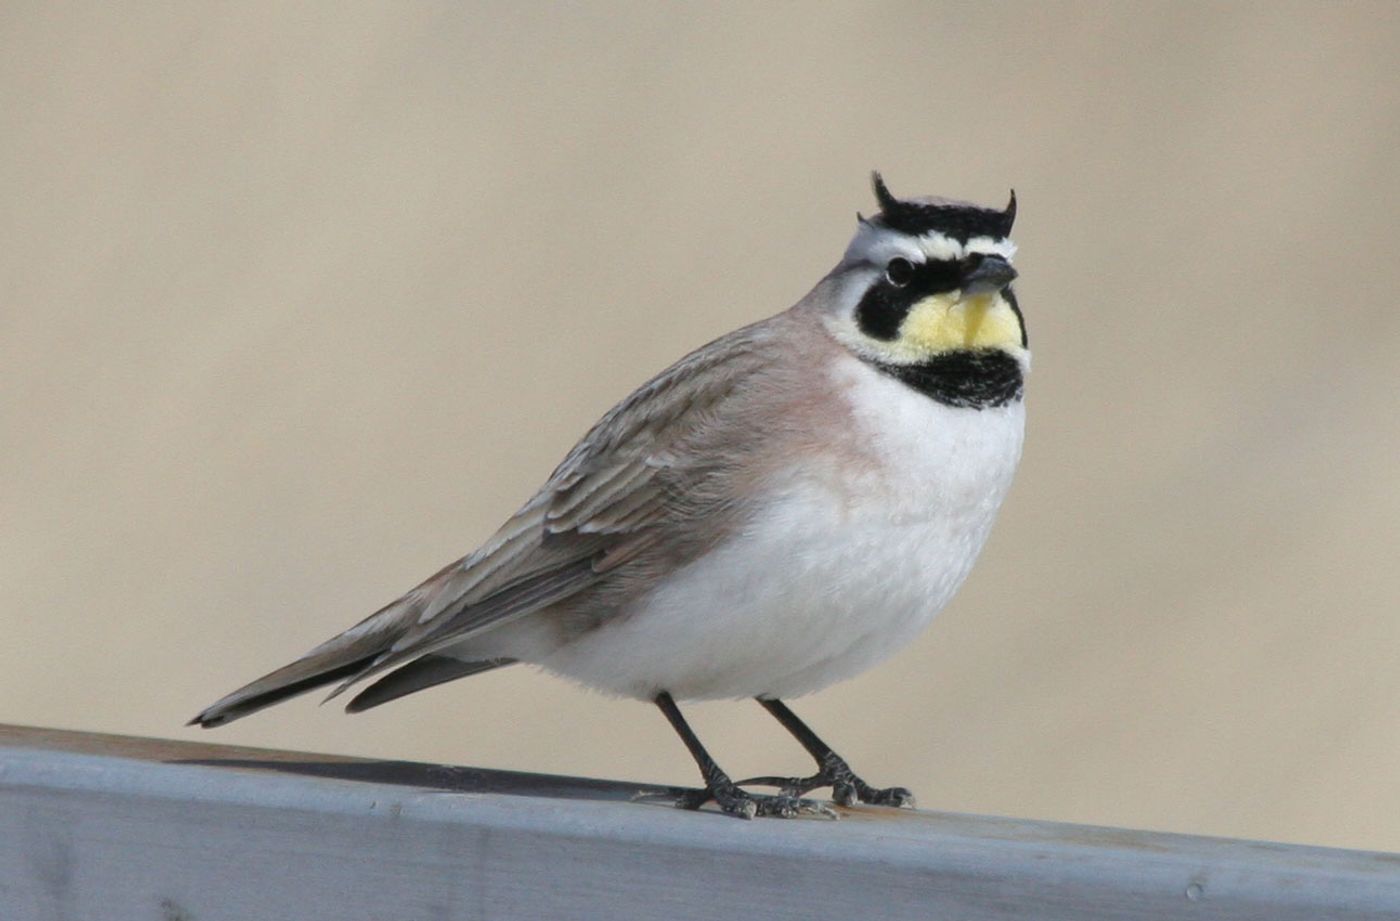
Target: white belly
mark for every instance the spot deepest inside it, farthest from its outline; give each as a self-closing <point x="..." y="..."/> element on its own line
<point x="840" y="571"/>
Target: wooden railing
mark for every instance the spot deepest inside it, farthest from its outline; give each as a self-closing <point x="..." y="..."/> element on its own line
<point x="107" y="828"/>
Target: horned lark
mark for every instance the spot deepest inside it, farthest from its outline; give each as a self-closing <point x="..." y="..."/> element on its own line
<point x="777" y="511"/>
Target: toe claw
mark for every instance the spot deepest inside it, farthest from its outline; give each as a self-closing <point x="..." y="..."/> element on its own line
<point x="790" y="807"/>
<point x="744" y="805"/>
<point x="898" y="797"/>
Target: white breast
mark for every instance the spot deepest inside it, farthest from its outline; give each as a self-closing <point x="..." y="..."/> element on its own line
<point x="846" y="563"/>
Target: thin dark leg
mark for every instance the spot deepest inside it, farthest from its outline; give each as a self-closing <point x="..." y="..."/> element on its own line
<point x="725" y="792"/>
<point x="832" y="770"/>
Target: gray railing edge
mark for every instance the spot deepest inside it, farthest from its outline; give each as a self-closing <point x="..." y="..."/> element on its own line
<point x="118" y="828"/>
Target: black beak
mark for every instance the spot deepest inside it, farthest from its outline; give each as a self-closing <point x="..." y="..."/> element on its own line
<point x="985" y="274"/>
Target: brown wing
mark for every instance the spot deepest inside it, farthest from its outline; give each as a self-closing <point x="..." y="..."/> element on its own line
<point x="598" y="509"/>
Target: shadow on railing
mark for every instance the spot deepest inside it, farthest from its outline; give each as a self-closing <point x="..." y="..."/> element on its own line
<point x="454" y="779"/>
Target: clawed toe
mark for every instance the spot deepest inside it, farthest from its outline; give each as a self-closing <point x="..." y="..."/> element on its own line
<point x="783" y="806"/>
<point x="745" y="805"/>
<point x="857" y="791"/>
<point x="786" y="786"/>
<point x="846" y="788"/>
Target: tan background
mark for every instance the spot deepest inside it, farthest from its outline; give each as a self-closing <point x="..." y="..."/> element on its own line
<point x="300" y="300"/>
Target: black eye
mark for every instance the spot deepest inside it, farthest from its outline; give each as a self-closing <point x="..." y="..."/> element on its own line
<point x="899" y="272"/>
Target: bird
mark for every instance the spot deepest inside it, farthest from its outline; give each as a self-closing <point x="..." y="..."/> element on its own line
<point x="779" y="510"/>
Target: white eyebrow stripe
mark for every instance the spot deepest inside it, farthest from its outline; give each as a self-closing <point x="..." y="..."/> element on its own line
<point x="877" y="244"/>
<point x="940" y="247"/>
<point x="990" y="246"/>
<point x="943" y="247"/>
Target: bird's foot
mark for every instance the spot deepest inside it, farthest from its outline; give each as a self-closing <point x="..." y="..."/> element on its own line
<point x="732" y="800"/>
<point x="858" y="791"/>
<point x="846" y="788"/>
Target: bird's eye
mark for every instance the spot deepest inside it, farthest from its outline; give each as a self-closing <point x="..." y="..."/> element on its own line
<point x="899" y="272"/>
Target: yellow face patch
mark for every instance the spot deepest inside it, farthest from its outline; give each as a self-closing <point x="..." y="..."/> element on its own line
<point x="939" y="323"/>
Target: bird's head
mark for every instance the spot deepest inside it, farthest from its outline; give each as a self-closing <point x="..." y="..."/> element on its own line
<point x="926" y="278"/>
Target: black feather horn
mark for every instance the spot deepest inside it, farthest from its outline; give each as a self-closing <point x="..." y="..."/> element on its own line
<point x="882" y="193"/>
<point x="960" y="220"/>
<point x="1008" y="215"/>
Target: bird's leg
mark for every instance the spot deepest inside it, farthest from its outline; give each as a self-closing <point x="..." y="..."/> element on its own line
<point x="832" y="770"/>
<point x="725" y="792"/>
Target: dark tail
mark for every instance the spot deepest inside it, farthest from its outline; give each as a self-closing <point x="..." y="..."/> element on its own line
<point x="418" y="675"/>
<point x="250" y="700"/>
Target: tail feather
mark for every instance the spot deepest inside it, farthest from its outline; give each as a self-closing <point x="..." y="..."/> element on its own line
<point x="254" y="697"/>
<point x="334" y="660"/>
<point x="439" y="612"/>
<point x="418" y="675"/>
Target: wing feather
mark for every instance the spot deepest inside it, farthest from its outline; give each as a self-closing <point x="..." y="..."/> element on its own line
<point x="601" y="508"/>
<point x="604" y="495"/>
<point x="582" y="504"/>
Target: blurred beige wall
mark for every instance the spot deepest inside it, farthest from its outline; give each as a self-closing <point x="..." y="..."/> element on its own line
<point x="297" y="301"/>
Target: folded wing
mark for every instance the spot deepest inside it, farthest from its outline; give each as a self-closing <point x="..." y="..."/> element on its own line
<point x="600" y="508"/>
